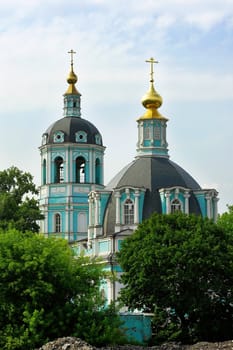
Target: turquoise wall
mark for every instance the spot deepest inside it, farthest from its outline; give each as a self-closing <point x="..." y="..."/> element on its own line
<point x="137" y="327"/>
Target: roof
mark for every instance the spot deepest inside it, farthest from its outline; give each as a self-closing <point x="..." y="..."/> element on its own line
<point x="152" y="174"/>
<point x="69" y="126"/>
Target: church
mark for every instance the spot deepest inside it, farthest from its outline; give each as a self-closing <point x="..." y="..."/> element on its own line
<point x="95" y="217"/>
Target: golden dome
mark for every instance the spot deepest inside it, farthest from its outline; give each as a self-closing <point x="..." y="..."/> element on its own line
<point x="152" y="98"/>
<point x="72" y="77"/>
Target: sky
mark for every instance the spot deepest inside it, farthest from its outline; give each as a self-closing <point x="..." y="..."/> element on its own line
<point x="191" y="39"/>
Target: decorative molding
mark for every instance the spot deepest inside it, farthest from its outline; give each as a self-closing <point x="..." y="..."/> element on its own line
<point x="54" y="155"/>
<point x="58" y="190"/>
<point x="81" y="189"/>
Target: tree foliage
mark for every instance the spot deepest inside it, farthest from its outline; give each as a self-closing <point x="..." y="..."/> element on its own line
<point x="226" y="219"/>
<point x="181" y="268"/>
<point x="18" y="206"/>
<point x="46" y="292"/>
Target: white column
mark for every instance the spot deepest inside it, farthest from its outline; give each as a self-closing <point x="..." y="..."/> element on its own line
<point x="136" y="207"/>
<point x="168" y="202"/>
<point x="186" y="203"/>
<point x="71" y="166"/>
<point x="71" y="218"/>
<point x="90" y="201"/>
<point x="141" y="137"/>
<point x="49" y="170"/>
<point x="89" y="235"/>
<point x="215" y="200"/>
<point x="97" y="209"/>
<point x="90" y="164"/>
<point x="117" y="196"/>
<point x="67" y="221"/>
<point x="208" y="205"/>
<point x="66" y="167"/>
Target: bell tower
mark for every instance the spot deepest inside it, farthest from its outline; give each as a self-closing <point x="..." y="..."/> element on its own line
<point x="72" y="165"/>
<point x="152" y="125"/>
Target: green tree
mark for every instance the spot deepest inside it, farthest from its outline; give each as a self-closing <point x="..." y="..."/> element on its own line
<point x="46" y="292"/>
<point x="180" y="268"/>
<point x="226" y="219"/>
<point x="18" y="206"/>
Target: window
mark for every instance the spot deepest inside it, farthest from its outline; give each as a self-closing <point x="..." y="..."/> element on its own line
<point x="59" y="170"/>
<point x="44" y="172"/>
<point x="157" y="135"/>
<point x="58" y="137"/>
<point x="81" y="136"/>
<point x="97" y="171"/>
<point x="98" y="139"/>
<point x="80" y="170"/>
<point x="146" y="133"/>
<point x="128" y="212"/>
<point x="175" y="205"/>
<point x="57" y="223"/>
<point x="44" y="139"/>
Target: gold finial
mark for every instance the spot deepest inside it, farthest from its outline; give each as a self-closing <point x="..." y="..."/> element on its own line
<point x="152" y="61"/>
<point x="72" y="77"/>
<point x="152" y="100"/>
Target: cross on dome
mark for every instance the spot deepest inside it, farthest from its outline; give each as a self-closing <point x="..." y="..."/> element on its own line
<point x="72" y="53"/>
<point x="152" y="61"/>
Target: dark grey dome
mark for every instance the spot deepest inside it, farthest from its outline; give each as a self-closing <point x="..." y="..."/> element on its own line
<point x="152" y="173"/>
<point x="70" y="126"/>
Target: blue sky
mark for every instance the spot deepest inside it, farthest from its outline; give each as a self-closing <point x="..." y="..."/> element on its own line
<point x="193" y="42"/>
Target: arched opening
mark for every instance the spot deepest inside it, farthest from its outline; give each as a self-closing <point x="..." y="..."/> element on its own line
<point x="175" y="205"/>
<point x="59" y="170"/>
<point x="57" y="223"/>
<point x="97" y="171"/>
<point x="128" y="212"/>
<point x="44" y="172"/>
<point x="80" y="170"/>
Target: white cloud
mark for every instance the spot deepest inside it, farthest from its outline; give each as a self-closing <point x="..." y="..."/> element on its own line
<point x="206" y="20"/>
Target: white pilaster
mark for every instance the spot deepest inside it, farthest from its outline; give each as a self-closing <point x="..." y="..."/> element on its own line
<point x="136" y="207"/>
<point x="168" y="202"/>
<point x="97" y="209"/>
<point x="186" y="203"/>
<point x="208" y="205"/>
<point x="117" y="196"/>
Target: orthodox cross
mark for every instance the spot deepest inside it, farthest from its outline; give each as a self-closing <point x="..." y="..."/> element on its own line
<point x="72" y="52"/>
<point x="152" y="61"/>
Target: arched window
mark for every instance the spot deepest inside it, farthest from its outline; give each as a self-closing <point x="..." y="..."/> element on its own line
<point x="59" y="170"/>
<point x="44" y="172"/>
<point x="57" y="223"/>
<point x="80" y="170"/>
<point x="97" y="171"/>
<point x="128" y="212"/>
<point x="147" y="132"/>
<point x="175" y="205"/>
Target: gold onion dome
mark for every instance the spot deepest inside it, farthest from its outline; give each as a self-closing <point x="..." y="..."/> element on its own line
<point x="72" y="77"/>
<point x="152" y="100"/>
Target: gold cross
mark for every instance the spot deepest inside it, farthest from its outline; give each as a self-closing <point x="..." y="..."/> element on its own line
<point x="152" y="61"/>
<point x="72" y="52"/>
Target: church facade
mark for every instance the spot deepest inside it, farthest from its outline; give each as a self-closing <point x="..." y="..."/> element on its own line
<point x="94" y="217"/>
